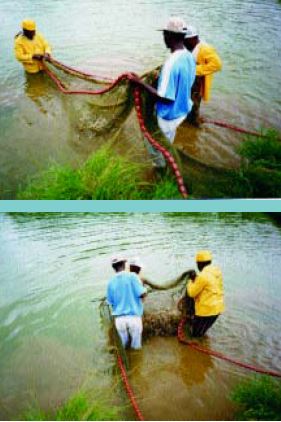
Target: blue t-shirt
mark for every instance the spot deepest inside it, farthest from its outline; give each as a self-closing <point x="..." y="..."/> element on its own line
<point x="124" y="293"/>
<point x="175" y="82"/>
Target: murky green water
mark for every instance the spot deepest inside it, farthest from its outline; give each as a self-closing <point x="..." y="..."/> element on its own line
<point x="37" y="124"/>
<point x="51" y="337"/>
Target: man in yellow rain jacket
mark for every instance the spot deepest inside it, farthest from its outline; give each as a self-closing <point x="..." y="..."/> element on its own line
<point x="207" y="63"/>
<point x="207" y="290"/>
<point x="31" y="47"/>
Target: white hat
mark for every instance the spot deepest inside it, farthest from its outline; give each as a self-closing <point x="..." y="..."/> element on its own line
<point x="191" y="32"/>
<point x="136" y="262"/>
<point x="117" y="259"/>
<point x="175" y="24"/>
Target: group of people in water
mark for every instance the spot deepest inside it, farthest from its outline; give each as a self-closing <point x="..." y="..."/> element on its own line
<point x="126" y="292"/>
<point x="184" y="80"/>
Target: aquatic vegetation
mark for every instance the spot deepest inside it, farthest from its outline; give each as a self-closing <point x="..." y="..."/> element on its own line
<point x="258" y="398"/>
<point x="102" y="176"/>
<point x="262" y="165"/>
<point x="79" y="407"/>
<point x="111" y="176"/>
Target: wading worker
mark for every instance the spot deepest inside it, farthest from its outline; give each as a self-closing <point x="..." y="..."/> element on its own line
<point x="135" y="267"/>
<point x="173" y="94"/>
<point x="206" y="289"/>
<point x="125" y="294"/>
<point x="207" y="63"/>
<point x="31" y="47"/>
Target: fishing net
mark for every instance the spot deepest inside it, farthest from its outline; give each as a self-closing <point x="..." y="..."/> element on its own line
<point x="110" y="116"/>
<point x="164" y="307"/>
<point x="115" y="118"/>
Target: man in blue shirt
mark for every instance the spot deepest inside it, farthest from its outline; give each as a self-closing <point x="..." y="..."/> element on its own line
<point x="125" y="293"/>
<point x="173" y="94"/>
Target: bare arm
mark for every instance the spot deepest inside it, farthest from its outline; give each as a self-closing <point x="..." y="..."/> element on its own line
<point x="152" y="91"/>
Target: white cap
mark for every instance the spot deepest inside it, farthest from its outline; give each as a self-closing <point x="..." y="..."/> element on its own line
<point x="175" y="24"/>
<point x="136" y="262"/>
<point x="191" y="32"/>
<point x="116" y="259"/>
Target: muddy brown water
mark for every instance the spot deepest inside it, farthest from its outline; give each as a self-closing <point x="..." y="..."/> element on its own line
<point x="53" y="340"/>
<point x="39" y="126"/>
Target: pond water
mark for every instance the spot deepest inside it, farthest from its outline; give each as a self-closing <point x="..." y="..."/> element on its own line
<point x="106" y="37"/>
<point x="52" y="340"/>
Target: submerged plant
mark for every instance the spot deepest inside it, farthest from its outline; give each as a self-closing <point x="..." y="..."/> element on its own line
<point x="79" y="407"/>
<point x="258" y="399"/>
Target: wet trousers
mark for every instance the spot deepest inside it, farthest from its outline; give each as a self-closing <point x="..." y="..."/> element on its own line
<point x="194" y="116"/>
<point x="129" y="327"/>
<point x="200" y="324"/>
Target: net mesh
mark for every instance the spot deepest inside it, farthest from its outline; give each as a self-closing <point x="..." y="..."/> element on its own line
<point x="110" y="116"/>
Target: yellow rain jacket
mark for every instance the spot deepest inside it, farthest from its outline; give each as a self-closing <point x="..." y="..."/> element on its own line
<point x="207" y="63"/>
<point x="25" y="49"/>
<point x="207" y="291"/>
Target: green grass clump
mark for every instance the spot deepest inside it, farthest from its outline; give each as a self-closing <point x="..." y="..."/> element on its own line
<point x="258" y="399"/>
<point x="78" y="408"/>
<point x="103" y="176"/>
<point x="262" y="166"/>
<point x="58" y="182"/>
<point x="165" y="188"/>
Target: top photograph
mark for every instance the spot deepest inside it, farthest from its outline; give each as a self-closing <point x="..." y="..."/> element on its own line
<point x="140" y="100"/>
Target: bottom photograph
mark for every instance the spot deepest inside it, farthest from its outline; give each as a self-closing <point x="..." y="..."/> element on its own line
<point x="140" y="316"/>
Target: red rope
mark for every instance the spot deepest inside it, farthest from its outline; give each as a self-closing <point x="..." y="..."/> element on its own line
<point x="106" y="79"/>
<point x="72" y="70"/>
<point x="128" y="388"/>
<point x="232" y="127"/>
<point x="62" y="88"/>
<point x="182" y="339"/>
<point x="167" y="155"/>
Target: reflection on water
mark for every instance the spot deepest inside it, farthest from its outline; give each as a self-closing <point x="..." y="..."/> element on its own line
<point x="52" y="339"/>
<point x="246" y="92"/>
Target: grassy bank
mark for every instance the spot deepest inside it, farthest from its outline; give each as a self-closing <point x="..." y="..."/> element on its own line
<point x="108" y="176"/>
<point x="258" y="399"/>
<point x="79" y="407"/>
<point x="102" y="176"/>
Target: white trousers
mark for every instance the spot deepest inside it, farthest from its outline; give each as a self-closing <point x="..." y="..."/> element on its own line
<point x="129" y="325"/>
<point x="169" y="127"/>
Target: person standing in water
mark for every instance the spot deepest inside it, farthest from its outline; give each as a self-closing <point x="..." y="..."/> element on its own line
<point x="31" y="47"/>
<point x="124" y="295"/>
<point x="207" y="63"/>
<point x="206" y="289"/>
<point x="173" y="93"/>
<point x="136" y="267"/>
